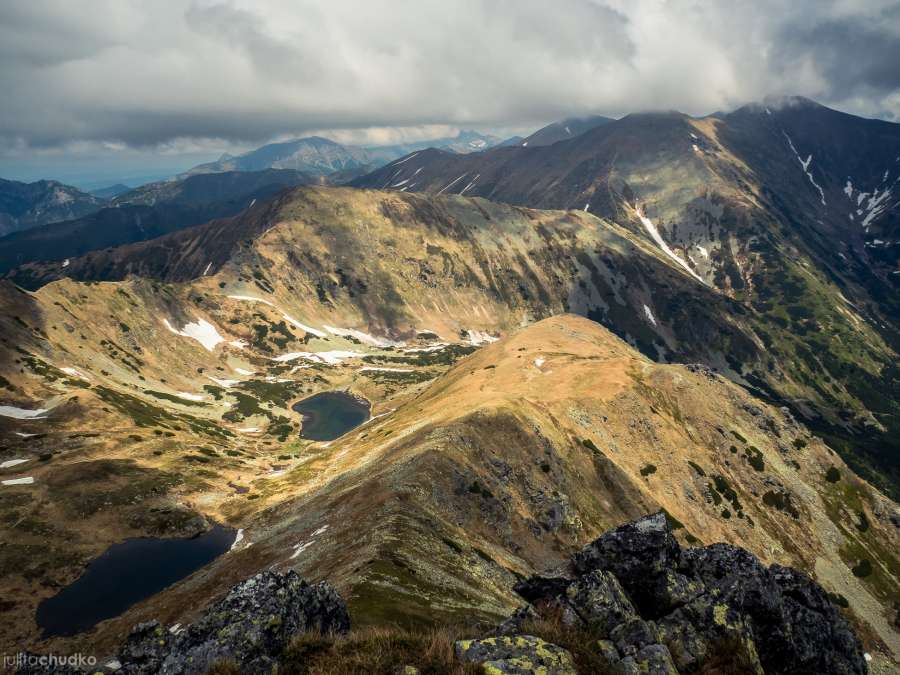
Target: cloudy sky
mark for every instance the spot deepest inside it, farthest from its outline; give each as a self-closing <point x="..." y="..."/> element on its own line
<point x="125" y="88"/>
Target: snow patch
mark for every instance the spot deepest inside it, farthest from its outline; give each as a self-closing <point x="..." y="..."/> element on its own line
<point x="238" y="538"/>
<point x="538" y="362"/>
<point x="24" y="435"/>
<point x="376" y="369"/>
<point x="453" y="182"/>
<point x="405" y="159"/>
<point x="19" y="481"/>
<point x="331" y="358"/>
<point x="206" y="271"/>
<point x="201" y="330"/>
<point x="477" y="337"/>
<point x="68" y="370"/>
<point x="365" y="338"/>
<point x="248" y="430"/>
<point x="304" y="327"/>
<point x="65" y="262"/>
<point x="303" y="545"/>
<point x="649" y="315"/>
<point x="187" y="396"/>
<point x="250" y="298"/>
<point x="805" y="166"/>
<point x="12" y="462"/>
<point x="586" y="206"/>
<point x="657" y="237"/>
<point x="22" y="414"/>
<point x="223" y="383"/>
<point x="242" y="371"/>
<point x="238" y="344"/>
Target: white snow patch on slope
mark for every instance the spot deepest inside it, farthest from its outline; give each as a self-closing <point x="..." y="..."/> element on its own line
<point x="238" y="538"/>
<point x="649" y="315"/>
<point x="201" y="330"/>
<point x="657" y="237"/>
<point x="477" y="337"/>
<point x="243" y="371"/>
<point x="24" y="435"/>
<point x="12" y="462"/>
<point x="65" y="262"/>
<point x="187" y="396"/>
<point x="805" y="166"/>
<point x="876" y="205"/>
<point x="453" y="182"/>
<point x="703" y="251"/>
<point x="332" y="358"/>
<point x="365" y="338"/>
<point x="248" y="430"/>
<point x="303" y="545"/>
<point x="848" y="189"/>
<point x="223" y="383"/>
<point x="430" y="348"/>
<point x="21" y="413"/>
<point x="405" y="159"/>
<point x="304" y="327"/>
<point x="250" y="298"/>
<point x="471" y="183"/>
<point x="28" y="480"/>
<point x="238" y="344"/>
<point x="586" y="206"/>
<point x="539" y="361"/>
<point x="206" y="271"/>
<point x="68" y="370"/>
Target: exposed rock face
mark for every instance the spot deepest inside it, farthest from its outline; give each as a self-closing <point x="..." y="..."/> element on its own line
<point x="250" y="626"/>
<point x="659" y="609"/>
<point x="516" y="655"/>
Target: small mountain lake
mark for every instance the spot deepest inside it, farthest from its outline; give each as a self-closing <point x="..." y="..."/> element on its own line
<point x="331" y="414"/>
<point x="125" y="574"/>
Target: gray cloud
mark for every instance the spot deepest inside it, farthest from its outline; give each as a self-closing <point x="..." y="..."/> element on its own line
<point x="109" y="73"/>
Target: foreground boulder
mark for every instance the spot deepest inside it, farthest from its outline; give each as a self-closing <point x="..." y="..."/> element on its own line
<point x="250" y="626"/>
<point x="655" y="608"/>
<point x="516" y="655"/>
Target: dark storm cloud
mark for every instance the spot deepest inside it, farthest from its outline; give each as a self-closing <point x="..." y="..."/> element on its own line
<point x="858" y="56"/>
<point x="138" y="74"/>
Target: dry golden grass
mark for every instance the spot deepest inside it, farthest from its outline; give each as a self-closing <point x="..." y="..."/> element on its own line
<point x="389" y="649"/>
<point x="376" y="650"/>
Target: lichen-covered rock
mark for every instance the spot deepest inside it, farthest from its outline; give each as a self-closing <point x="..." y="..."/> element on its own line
<point x="250" y="626"/>
<point x="651" y="660"/>
<point x="146" y="647"/>
<point x="600" y="602"/>
<point x="711" y="609"/>
<point x="640" y="554"/>
<point x="516" y="655"/>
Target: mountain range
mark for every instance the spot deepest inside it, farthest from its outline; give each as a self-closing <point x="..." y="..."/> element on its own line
<point x="27" y="205"/>
<point x="322" y="157"/>
<point x="661" y="313"/>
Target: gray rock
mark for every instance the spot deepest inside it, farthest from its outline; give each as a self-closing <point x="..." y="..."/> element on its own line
<point x="600" y="602"/>
<point x="250" y="626"/>
<point x="516" y="655"/>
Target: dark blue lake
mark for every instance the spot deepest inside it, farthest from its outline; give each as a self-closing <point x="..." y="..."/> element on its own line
<point x="125" y="574"/>
<point x="331" y="414"/>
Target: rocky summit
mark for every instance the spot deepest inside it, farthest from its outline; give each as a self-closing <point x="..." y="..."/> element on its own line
<point x="651" y="607"/>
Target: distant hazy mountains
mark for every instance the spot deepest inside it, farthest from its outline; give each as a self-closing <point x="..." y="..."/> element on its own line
<point x="321" y="157"/>
<point x="145" y="213"/>
<point x="25" y="205"/>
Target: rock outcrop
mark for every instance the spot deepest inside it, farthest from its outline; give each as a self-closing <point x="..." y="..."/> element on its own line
<point x="655" y="608"/>
<point x="250" y="626"/>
